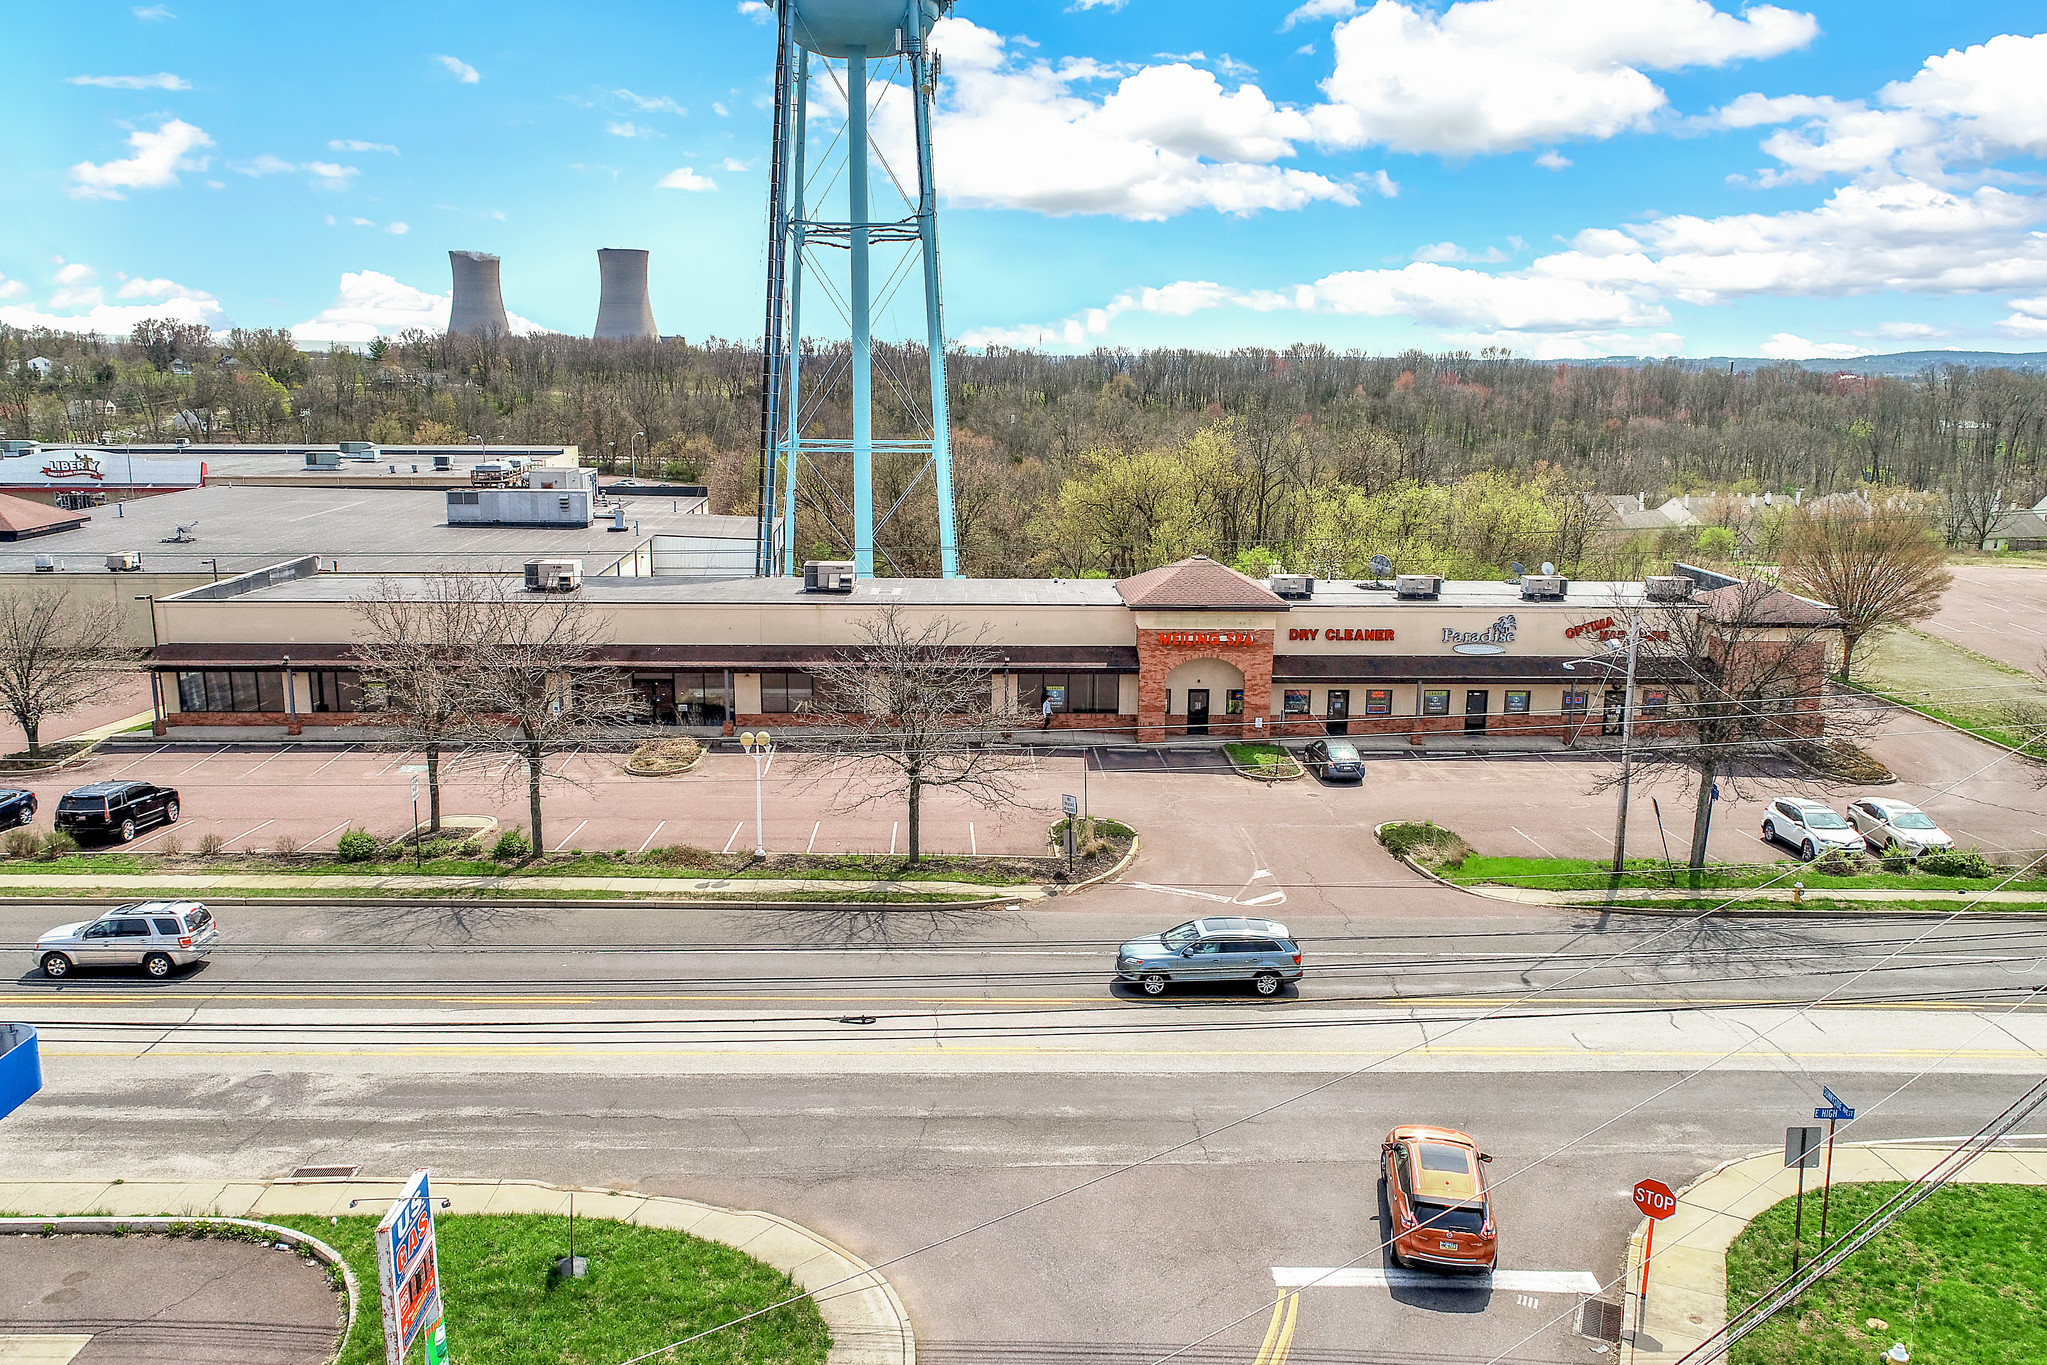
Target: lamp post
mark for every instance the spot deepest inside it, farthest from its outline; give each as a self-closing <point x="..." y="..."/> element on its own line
<point x="632" y="453"/>
<point x="761" y="746"/>
<point x="1620" y="820"/>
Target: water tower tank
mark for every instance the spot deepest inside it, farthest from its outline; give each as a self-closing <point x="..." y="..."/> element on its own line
<point x="833" y="28"/>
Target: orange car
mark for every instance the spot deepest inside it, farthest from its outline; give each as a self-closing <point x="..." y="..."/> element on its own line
<point x="1436" y="1192"/>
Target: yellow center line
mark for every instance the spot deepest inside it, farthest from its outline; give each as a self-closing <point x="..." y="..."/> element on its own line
<point x="1279" y="1336"/>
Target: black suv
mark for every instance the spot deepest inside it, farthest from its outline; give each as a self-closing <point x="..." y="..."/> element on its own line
<point x="115" y="810"/>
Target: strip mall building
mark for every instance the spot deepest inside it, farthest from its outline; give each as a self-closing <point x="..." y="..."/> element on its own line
<point x="1193" y="648"/>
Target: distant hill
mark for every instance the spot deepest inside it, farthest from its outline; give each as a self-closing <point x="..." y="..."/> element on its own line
<point x="1902" y="365"/>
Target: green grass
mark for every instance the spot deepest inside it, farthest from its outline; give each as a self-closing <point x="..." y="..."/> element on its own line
<point x="1585" y="874"/>
<point x="646" y="1288"/>
<point x="1266" y="760"/>
<point x="1961" y="1279"/>
<point x="1820" y="905"/>
<point x="18" y="894"/>
<point x="1943" y="680"/>
<point x="1426" y="843"/>
<point x="793" y="867"/>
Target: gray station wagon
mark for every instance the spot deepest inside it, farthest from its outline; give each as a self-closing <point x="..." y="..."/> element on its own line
<point x="1217" y="948"/>
<point x="157" y="936"/>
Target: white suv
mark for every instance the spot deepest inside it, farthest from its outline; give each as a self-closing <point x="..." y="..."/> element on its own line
<point x="157" y="936"/>
<point x="1811" y="827"/>
<point x="1883" y="822"/>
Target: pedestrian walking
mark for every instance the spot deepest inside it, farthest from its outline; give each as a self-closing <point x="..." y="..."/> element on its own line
<point x="1048" y="714"/>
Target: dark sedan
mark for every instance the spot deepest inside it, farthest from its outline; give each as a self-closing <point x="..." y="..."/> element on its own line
<point x="16" y="807"/>
<point x="1334" y="760"/>
<point x="115" y="810"/>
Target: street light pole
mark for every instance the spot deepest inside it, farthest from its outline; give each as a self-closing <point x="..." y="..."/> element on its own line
<point x="760" y="745"/>
<point x="632" y="452"/>
<point x="1620" y="823"/>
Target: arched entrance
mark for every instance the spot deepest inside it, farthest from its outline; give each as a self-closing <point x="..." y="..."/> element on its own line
<point x="1205" y="692"/>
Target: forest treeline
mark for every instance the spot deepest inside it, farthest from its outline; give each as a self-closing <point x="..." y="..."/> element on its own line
<point x="1111" y="461"/>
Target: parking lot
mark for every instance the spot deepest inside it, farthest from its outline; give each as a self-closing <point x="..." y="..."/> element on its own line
<point x="1999" y="610"/>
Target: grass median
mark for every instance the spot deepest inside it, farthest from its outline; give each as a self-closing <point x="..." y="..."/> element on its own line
<point x="1648" y="874"/>
<point x="1961" y="1279"/>
<point x="1263" y="760"/>
<point x="646" y="1288"/>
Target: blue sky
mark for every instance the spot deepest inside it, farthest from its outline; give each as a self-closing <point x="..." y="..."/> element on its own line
<point x="1560" y="177"/>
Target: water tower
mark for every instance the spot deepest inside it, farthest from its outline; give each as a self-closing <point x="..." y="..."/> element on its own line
<point x="847" y="37"/>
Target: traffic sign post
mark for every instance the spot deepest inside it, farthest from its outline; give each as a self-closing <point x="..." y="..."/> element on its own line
<point x="1071" y="806"/>
<point x="1657" y="1203"/>
<point x="1801" y="1149"/>
<point x="1832" y="1111"/>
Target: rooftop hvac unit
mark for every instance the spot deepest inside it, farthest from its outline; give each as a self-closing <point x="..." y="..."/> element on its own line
<point x="554" y="575"/>
<point x="1668" y="587"/>
<point x="128" y="561"/>
<point x="1543" y="587"/>
<point x="443" y="463"/>
<point x="1417" y="585"/>
<point x="828" y="575"/>
<point x="46" y="564"/>
<point x="1292" y="584"/>
<point x="323" y="459"/>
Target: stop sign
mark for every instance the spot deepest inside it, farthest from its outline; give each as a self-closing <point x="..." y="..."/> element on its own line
<point x="1654" y="1199"/>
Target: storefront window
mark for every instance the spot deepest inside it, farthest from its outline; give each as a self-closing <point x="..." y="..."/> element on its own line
<point x="231" y="689"/>
<point x="1078" y="693"/>
<point x="1655" y="698"/>
<point x="335" y="690"/>
<point x="1234" y="702"/>
<point x="786" y="693"/>
<point x="1435" y="702"/>
<point x="1296" y="701"/>
<point x="1378" y="701"/>
<point x="1574" y="701"/>
<point x="1517" y="703"/>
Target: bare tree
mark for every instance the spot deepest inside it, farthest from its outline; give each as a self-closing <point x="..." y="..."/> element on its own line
<point x="537" y="687"/>
<point x="1744" y="673"/>
<point x="422" y="638"/>
<point x="914" y="707"/>
<point x="1878" y="565"/>
<point x="56" y="655"/>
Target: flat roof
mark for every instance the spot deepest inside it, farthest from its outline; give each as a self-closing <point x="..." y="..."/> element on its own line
<point x="371" y="530"/>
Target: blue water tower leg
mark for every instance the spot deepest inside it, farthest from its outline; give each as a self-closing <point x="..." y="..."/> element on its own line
<point x="934" y="313"/>
<point x="800" y="122"/>
<point x="863" y="360"/>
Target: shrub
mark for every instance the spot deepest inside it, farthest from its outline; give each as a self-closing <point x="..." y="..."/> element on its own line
<point x="356" y="846"/>
<point x="287" y="845"/>
<point x="56" y="844"/>
<point x="211" y="843"/>
<point x="680" y="855"/>
<point x="21" y="843"/>
<point x="1897" y="861"/>
<point x="511" y="846"/>
<point x="171" y="844"/>
<point x="1956" y="863"/>
<point x="1837" y="864"/>
<point x="1426" y="843"/>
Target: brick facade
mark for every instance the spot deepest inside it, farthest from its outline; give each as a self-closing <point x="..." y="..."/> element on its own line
<point x="1159" y="652"/>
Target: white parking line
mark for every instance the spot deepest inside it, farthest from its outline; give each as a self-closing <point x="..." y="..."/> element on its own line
<point x="893" y="827"/>
<point x="1533" y="840"/>
<point x="1359" y="1277"/>
<point x="973" y="847"/>
<point x="144" y="759"/>
<point x="215" y="754"/>
<point x="570" y="835"/>
<point x="246" y="833"/>
<point x="152" y="838"/>
<point x="278" y="754"/>
<point x="1604" y="838"/>
<point x="331" y="833"/>
<point x="1181" y="891"/>
<point x="650" y="838"/>
<point x="735" y="835"/>
<point x="813" y="836"/>
<point x="346" y="749"/>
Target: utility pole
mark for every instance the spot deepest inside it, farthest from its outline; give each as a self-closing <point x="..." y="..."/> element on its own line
<point x="1620" y="822"/>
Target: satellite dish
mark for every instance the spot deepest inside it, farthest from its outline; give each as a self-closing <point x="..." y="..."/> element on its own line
<point x="1516" y="569"/>
<point x="1548" y="568"/>
<point x="1381" y="566"/>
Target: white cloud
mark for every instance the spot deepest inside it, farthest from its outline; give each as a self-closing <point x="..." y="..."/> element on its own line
<point x="459" y="69"/>
<point x="398" y="229"/>
<point x="1181" y="299"/>
<point x="266" y="164"/>
<point x="720" y="110"/>
<point x="1096" y="4"/>
<point x="362" y="222"/>
<point x="349" y="144"/>
<point x="2028" y="318"/>
<point x="11" y="289"/>
<point x="329" y="175"/>
<point x="76" y="306"/>
<point x="1439" y="252"/>
<point x="149" y="12"/>
<point x="1785" y="346"/>
<point x="162" y="80"/>
<point x="1319" y="9"/>
<point x="683" y="178"/>
<point x="733" y="163"/>
<point x="628" y="128"/>
<point x="1016" y="132"/>
<point x="371" y="304"/>
<point x="756" y="10"/>
<point x="139" y="288"/>
<point x="77" y="272"/>
<point x="1553" y="160"/>
<point x="1906" y="331"/>
<point x="1496" y="75"/>
<point x="1576" y="345"/>
<point x="650" y="104"/>
<point x="159" y="156"/>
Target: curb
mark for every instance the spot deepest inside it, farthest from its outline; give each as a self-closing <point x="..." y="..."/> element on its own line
<point x="120" y="1227"/>
<point x="1716" y="1208"/>
<point x="866" y="1317"/>
<point x="1122" y="865"/>
<point x="577" y="903"/>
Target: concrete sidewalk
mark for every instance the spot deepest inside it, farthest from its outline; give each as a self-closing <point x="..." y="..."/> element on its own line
<point x="868" y="1322"/>
<point x="341" y="884"/>
<point x="1688" y="1276"/>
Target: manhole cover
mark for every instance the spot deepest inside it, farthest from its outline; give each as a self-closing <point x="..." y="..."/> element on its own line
<point x="1600" y="1320"/>
<point x="324" y="1172"/>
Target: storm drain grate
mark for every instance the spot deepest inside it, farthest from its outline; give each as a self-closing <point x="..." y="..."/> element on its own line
<point x="324" y="1172"/>
<point x="1600" y="1320"/>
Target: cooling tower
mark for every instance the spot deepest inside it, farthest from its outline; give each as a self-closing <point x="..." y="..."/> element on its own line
<point x="479" y="302"/>
<point x="623" y="311"/>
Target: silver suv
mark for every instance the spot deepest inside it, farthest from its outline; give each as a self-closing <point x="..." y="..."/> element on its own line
<point x="1218" y="948"/>
<point x="157" y="936"/>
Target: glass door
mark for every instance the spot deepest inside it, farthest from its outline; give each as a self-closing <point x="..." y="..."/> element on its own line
<point x="1476" y="701"/>
<point x="1197" y="710"/>
<point x="1338" y="721"/>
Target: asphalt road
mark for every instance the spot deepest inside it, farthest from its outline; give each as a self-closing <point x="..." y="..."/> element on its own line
<point x="1064" y="1173"/>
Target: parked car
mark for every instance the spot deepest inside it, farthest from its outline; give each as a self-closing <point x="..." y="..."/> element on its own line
<point x="1436" y="1192"/>
<point x="16" y="807"/>
<point x="1218" y="948"/>
<point x="157" y="936"/>
<point x="115" y="810"/>
<point x="1811" y="827"/>
<point x="1334" y="760"/>
<point x="1882" y="822"/>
